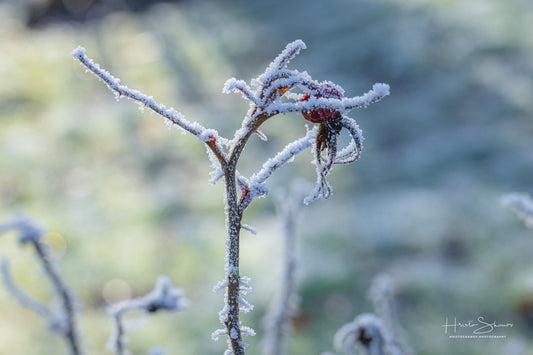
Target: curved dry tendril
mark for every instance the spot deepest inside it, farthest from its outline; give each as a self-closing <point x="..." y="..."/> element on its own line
<point x="353" y="151"/>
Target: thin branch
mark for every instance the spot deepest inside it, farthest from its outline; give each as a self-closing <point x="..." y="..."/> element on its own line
<point x="65" y="323"/>
<point x="234" y="85"/>
<point x="210" y="137"/>
<point x="283" y="157"/>
<point x="162" y="297"/>
<point x="278" y="318"/>
<point x="27" y="301"/>
<point x="67" y="299"/>
<point x="381" y="294"/>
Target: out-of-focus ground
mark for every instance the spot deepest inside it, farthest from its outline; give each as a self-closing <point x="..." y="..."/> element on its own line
<point x="126" y="200"/>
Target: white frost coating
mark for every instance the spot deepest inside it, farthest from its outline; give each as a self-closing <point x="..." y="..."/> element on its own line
<point x="522" y="204"/>
<point x="247" y="331"/>
<point x="245" y="305"/>
<point x="282" y="157"/>
<point x="261" y="135"/>
<point x="351" y="152"/>
<point x="233" y="333"/>
<point x="234" y="85"/>
<point x="291" y="50"/>
<point x="220" y="285"/>
<point x="344" y="105"/>
<point x="223" y="314"/>
<point x="245" y="287"/>
<point x="78" y="52"/>
<point x="249" y="229"/>
<point x="217" y="173"/>
<point x="144" y="100"/>
<point x="218" y="333"/>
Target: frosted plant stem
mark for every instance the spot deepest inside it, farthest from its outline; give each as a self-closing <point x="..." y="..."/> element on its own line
<point x="64" y="323"/>
<point x="119" y="335"/>
<point x="24" y="299"/>
<point x="232" y="254"/>
<point x="162" y="297"/>
<point x="67" y="301"/>
<point x="278" y="318"/>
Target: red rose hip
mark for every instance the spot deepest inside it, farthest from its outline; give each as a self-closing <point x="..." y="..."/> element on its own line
<point x="319" y="115"/>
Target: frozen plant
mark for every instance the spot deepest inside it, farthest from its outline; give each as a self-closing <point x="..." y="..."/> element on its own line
<point x="268" y="95"/>
<point x="381" y="294"/>
<point x="369" y="334"/>
<point x="162" y="297"/>
<point x="283" y="307"/>
<point x="366" y="333"/>
<point x="62" y="321"/>
<point x="522" y="204"/>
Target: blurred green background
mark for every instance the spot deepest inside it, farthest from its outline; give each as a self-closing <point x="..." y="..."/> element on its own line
<point x="125" y="200"/>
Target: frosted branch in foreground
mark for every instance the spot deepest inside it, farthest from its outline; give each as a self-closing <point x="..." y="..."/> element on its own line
<point x="62" y="322"/>
<point x="322" y="103"/>
<point x="522" y="204"/>
<point x="174" y="118"/>
<point x="163" y="297"/>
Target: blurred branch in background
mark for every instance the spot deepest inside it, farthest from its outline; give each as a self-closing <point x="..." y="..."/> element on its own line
<point x="522" y="205"/>
<point x="277" y="321"/>
<point x="375" y="335"/>
<point x="381" y="294"/>
<point x="366" y="334"/>
<point x="163" y="297"/>
<point x="62" y="322"/>
<point x="457" y="135"/>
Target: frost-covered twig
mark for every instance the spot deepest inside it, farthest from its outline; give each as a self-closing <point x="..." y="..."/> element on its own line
<point x="162" y="297"/>
<point x="369" y="334"/>
<point x="277" y="320"/>
<point x="265" y="95"/>
<point x="209" y="136"/>
<point x="63" y="322"/>
<point x="27" y="301"/>
<point x="366" y="333"/>
<point x="522" y="204"/>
